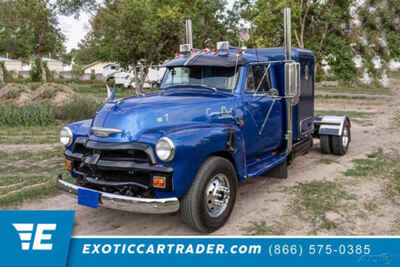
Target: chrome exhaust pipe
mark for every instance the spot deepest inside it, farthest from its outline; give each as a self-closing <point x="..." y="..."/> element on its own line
<point x="288" y="56"/>
<point x="189" y="32"/>
<point x="288" y="33"/>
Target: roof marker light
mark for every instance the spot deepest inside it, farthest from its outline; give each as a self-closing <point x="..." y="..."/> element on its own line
<point x="223" y="45"/>
<point x="185" y="48"/>
<point x="177" y="55"/>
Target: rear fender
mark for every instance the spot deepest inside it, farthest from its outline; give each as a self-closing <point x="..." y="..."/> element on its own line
<point x="331" y="125"/>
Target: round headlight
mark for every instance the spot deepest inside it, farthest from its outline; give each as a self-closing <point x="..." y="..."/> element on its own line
<point x="66" y="136"/>
<point x="165" y="149"/>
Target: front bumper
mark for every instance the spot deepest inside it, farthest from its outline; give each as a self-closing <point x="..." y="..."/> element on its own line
<point x="127" y="203"/>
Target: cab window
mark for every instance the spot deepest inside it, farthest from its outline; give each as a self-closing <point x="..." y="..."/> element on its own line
<point x="258" y="79"/>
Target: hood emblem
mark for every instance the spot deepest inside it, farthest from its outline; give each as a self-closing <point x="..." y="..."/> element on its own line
<point x="104" y="132"/>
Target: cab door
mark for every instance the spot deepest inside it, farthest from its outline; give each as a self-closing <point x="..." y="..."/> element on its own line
<point x="262" y="112"/>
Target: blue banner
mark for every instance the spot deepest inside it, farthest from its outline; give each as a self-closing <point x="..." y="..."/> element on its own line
<point x="35" y="238"/>
<point x="43" y="238"/>
<point x="210" y="251"/>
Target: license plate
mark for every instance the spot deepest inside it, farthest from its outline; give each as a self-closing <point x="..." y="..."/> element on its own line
<point x="88" y="198"/>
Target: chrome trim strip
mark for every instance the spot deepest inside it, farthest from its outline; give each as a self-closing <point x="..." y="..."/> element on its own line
<point x="267" y="117"/>
<point x="127" y="203"/>
<point x="104" y="132"/>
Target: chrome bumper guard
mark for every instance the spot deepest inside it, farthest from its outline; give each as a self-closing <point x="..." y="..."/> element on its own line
<point x="126" y="203"/>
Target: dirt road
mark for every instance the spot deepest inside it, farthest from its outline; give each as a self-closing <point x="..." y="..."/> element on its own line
<point x="267" y="206"/>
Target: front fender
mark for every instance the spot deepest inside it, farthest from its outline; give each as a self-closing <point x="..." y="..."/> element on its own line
<point x="79" y="129"/>
<point x="194" y="143"/>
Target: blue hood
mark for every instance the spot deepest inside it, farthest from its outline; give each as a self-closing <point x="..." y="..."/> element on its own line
<point x="136" y="115"/>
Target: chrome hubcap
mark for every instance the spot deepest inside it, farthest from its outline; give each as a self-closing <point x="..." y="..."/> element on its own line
<point x="217" y="195"/>
<point x="345" y="137"/>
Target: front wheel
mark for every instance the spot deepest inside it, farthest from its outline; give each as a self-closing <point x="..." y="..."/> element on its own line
<point x="211" y="198"/>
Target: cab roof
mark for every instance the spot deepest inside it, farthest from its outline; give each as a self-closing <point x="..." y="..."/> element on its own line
<point x="230" y="58"/>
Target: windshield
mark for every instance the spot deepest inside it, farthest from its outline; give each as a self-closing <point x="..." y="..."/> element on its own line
<point x="203" y="76"/>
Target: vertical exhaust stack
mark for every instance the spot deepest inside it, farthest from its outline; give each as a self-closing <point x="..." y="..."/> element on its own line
<point x="288" y="56"/>
<point x="189" y="32"/>
<point x="288" y="33"/>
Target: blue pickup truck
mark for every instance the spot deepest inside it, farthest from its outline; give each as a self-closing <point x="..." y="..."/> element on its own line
<point x="219" y="117"/>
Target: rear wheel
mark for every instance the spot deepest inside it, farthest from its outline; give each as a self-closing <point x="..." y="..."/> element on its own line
<point x="211" y="198"/>
<point x="325" y="143"/>
<point x="340" y="144"/>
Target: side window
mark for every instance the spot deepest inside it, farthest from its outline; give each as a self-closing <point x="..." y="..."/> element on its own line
<point x="258" y="79"/>
<point x="250" y="84"/>
<point x="307" y="72"/>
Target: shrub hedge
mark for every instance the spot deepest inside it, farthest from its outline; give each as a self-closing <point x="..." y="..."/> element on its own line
<point x="80" y="108"/>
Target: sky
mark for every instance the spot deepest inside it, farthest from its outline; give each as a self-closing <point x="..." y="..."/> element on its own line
<point x="76" y="29"/>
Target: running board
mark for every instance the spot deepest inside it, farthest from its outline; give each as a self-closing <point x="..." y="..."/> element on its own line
<point x="255" y="169"/>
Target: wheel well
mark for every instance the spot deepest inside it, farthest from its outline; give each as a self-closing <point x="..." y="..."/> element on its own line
<point x="226" y="155"/>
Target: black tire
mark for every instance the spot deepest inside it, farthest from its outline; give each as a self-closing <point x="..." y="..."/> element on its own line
<point x="325" y="143"/>
<point x="339" y="146"/>
<point x="194" y="207"/>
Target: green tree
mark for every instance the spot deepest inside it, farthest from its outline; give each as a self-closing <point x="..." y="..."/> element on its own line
<point x="377" y="34"/>
<point x="321" y="26"/>
<point x="143" y="33"/>
<point x="29" y="29"/>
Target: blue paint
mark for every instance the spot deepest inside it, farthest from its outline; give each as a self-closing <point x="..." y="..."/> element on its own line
<point x="199" y="121"/>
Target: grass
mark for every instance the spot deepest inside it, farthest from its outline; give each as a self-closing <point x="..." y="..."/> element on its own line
<point x="394" y="74"/>
<point x="350" y="114"/>
<point x="29" y="135"/>
<point x="99" y="90"/>
<point x="382" y="166"/>
<point x="261" y="228"/>
<point x="27" y="175"/>
<point x="80" y="108"/>
<point x="29" y="115"/>
<point x="357" y="90"/>
<point x="327" y="161"/>
<point x="375" y="164"/>
<point x="314" y="199"/>
<point x="346" y="97"/>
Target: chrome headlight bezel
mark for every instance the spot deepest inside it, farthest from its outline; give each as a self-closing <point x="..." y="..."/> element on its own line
<point x="161" y="145"/>
<point x="66" y="133"/>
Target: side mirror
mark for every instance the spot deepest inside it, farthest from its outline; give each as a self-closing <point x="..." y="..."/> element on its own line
<point x="292" y="81"/>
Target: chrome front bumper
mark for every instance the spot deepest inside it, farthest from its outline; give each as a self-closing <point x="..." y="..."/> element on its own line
<point x="126" y="203"/>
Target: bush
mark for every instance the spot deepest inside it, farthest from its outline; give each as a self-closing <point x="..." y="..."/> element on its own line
<point x="81" y="108"/>
<point x="92" y="75"/>
<point x="12" y="94"/>
<point x="49" y="73"/>
<point x="30" y="115"/>
<point x="36" y="71"/>
<point x="6" y="75"/>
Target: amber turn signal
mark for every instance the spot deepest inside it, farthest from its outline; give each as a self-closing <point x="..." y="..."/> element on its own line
<point x="68" y="164"/>
<point x="159" y="182"/>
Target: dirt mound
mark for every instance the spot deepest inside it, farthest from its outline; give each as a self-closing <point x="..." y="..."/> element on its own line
<point x="19" y="94"/>
<point x="56" y="94"/>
